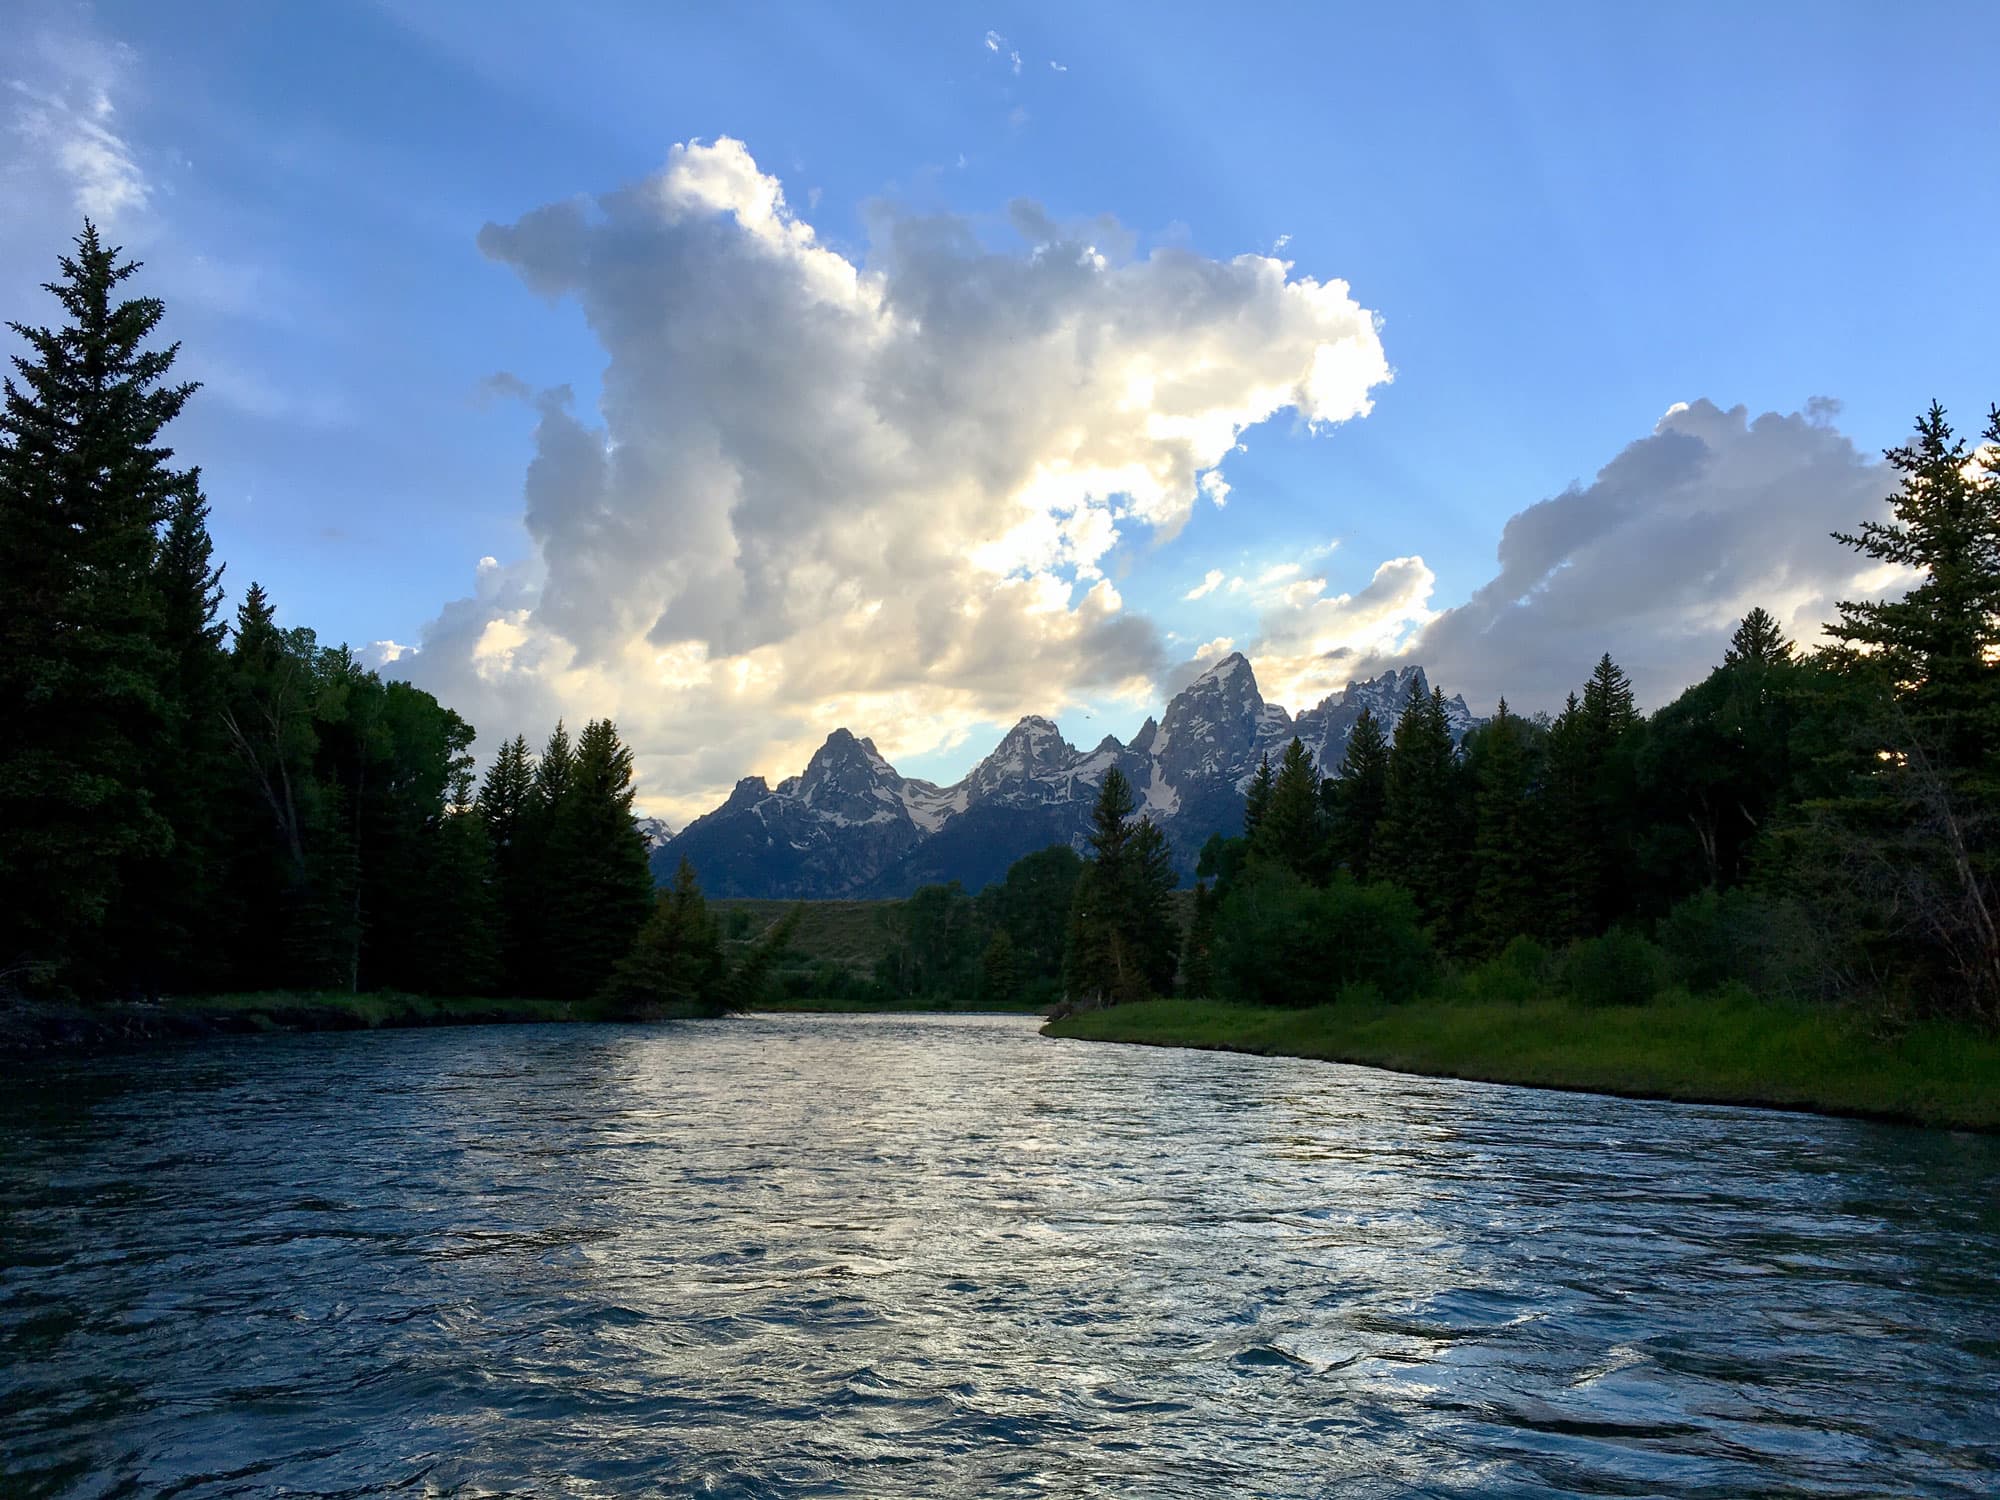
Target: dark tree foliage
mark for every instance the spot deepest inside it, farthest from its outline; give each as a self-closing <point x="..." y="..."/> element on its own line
<point x="596" y="857"/>
<point x="189" y="806"/>
<point x="675" y="966"/>
<point x="1292" y="830"/>
<point x="1122" y="943"/>
<point x="1506" y="888"/>
<point x="1423" y="823"/>
<point x="1359" y="796"/>
<point x="87" y="666"/>
<point x="1258" y="797"/>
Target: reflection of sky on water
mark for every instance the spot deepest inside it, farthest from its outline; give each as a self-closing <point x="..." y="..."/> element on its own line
<point x="763" y="1253"/>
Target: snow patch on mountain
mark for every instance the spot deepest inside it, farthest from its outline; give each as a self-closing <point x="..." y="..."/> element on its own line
<point x="851" y="824"/>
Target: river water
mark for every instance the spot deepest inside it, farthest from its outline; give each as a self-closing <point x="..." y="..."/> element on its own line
<point x="893" y="1256"/>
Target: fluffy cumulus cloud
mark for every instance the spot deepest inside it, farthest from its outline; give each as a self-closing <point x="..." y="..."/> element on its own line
<point x="1656" y="559"/>
<point x="880" y="489"/>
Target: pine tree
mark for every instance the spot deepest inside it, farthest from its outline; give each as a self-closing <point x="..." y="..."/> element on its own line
<point x="179" y="928"/>
<point x="1290" y="832"/>
<point x="1609" y="712"/>
<point x="1198" y="951"/>
<point x="603" y="887"/>
<point x="1361" y="795"/>
<point x="1938" y="645"/>
<point x="1422" y="827"/>
<point x="1569" y="849"/>
<point x="1121" y="940"/>
<point x="675" y="964"/>
<point x="85" y="483"/>
<point x="1758" y="642"/>
<point x="1258" y="798"/>
<point x="1505" y="893"/>
<point x="505" y="806"/>
<point x="459" y="917"/>
<point x="1611" y="726"/>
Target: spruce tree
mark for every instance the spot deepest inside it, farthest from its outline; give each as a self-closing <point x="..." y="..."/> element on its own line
<point x="1422" y="827"/>
<point x="1505" y="892"/>
<point x="1611" y="727"/>
<point x="603" y="887"/>
<point x="675" y="963"/>
<point x="1258" y="798"/>
<point x="1290" y="833"/>
<point x="1361" y="794"/>
<point x="85" y="484"/>
<point x="1757" y="641"/>
<point x="1938" y="646"/>
<point x="1569" y="851"/>
<point x="1121" y="941"/>
<point x="505" y="806"/>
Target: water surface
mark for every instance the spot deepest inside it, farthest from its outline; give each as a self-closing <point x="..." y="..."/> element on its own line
<point x="897" y="1256"/>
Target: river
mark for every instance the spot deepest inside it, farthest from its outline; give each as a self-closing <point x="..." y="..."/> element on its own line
<point x="944" y="1256"/>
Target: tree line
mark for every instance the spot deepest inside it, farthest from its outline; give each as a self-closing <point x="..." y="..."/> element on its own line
<point x="1803" y="824"/>
<point x="198" y="804"/>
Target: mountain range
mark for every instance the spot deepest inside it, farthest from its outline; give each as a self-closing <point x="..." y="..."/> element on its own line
<point x="851" y="825"/>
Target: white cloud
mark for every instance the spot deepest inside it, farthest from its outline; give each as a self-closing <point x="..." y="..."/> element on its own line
<point x="881" y="491"/>
<point x="1208" y="585"/>
<point x="994" y="41"/>
<point x="64" y="116"/>
<point x="1658" y="557"/>
<point x="1056" y="67"/>
<point x="1215" y="487"/>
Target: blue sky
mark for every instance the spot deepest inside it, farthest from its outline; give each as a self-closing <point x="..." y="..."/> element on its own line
<point x="1564" y="220"/>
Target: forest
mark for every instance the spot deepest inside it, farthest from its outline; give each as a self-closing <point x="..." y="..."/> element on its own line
<point x="199" y="800"/>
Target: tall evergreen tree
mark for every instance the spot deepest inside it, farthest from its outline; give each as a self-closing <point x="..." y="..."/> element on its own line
<point x="596" y="856"/>
<point x="1121" y="942"/>
<point x="177" y="924"/>
<point x="506" y="799"/>
<point x="1360" y="795"/>
<point x="85" y="483"/>
<point x="1505" y="894"/>
<point x="1569" y="851"/>
<point x="1291" y="832"/>
<point x="1611" y="745"/>
<point x="1422" y="825"/>
<point x="1257" y="800"/>
<point x="1757" y="641"/>
<point x="675" y="964"/>
<point x="1939" y="644"/>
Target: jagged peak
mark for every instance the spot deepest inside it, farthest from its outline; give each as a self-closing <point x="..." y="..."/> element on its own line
<point x="750" y="789"/>
<point x="1227" y="669"/>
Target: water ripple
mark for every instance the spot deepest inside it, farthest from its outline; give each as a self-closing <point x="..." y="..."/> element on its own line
<point x="947" y="1257"/>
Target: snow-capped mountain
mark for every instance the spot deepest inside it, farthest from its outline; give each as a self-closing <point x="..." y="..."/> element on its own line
<point x="654" y="831"/>
<point x="851" y="825"/>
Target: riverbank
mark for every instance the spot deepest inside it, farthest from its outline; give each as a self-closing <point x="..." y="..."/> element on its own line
<point x="1696" y="1051"/>
<point x="29" y="1028"/>
<point x="34" y="1028"/>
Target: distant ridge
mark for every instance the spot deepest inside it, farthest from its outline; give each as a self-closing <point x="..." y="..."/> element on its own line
<point x="851" y="825"/>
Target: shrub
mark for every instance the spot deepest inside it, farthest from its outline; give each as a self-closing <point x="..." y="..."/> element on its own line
<point x="1279" y="941"/>
<point x="1620" y="968"/>
<point x="1521" y="973"/>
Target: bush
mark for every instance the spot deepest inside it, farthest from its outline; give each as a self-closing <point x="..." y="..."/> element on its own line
<point x="1620" y="968"/>
<point x="1712" y="940"/>
<point x="1521" y="972"/>
<point x="1279" y="941"/>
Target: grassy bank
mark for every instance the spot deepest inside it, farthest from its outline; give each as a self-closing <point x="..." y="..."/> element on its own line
<point x="1720" y="1052"/>
<point x="814" y="1005"/>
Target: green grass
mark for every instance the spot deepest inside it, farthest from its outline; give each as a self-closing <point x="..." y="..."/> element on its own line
<point x="817" y="1005"/>
<point x="847" y="933"/>
<point x="1715" y="1051"/>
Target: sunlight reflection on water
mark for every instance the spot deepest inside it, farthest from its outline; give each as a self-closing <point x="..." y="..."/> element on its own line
<point x="946" y="1256"/>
